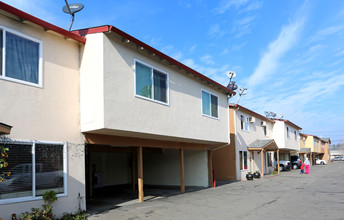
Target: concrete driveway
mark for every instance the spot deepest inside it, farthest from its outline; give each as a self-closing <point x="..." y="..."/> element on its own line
<point x="319" y="195"/>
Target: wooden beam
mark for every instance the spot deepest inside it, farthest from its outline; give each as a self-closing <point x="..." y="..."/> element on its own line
<point x="181" y="161"/>
<point x="131" y="141"/>
<point x="262" y="162"/>
<point x="210" y="168"/>
<point x="140" y="173"/>
<point x="278" y="165"/>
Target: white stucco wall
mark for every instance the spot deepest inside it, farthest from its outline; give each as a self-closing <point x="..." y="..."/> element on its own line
<point x="124" y="114"/>
<point x="50" y="113"/>
<point x="164" y="168"/>
<point x="280" y="136"/>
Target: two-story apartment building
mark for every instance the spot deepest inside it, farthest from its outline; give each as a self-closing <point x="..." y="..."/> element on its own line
<point x="159" y="112"/>
<point x="39" y="83"/>
<point x="99" y="108"/>
<point x="319" y="147"/>
<point x="251" y="147"/>
<point x="286" y="135"/>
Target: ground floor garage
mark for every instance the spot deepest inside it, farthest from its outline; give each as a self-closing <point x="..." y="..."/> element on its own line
<point x="123" y="171"/>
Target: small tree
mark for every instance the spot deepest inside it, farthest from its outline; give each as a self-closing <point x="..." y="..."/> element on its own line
<point x="3" y="163"/>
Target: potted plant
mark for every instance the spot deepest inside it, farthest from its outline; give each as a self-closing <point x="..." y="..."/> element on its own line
<point x="249" y="176"/>
<point x="256" y="175"/>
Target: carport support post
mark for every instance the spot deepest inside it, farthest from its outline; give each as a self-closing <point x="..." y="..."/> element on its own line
<point x="140" y="173"/>
<point x="278" y="167"/>
<point x="181" y="160"/>
<point x="262" y="159"/>
<point x="210" y="168"/>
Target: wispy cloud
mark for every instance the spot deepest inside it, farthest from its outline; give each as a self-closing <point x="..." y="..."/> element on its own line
<point x="225" y="5"/>
<point x="321" y="34"/>
<point x="268" y="63"/>
<point x="207" y="59"/>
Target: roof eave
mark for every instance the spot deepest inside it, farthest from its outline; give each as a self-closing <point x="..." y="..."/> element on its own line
<point x="45" y="25"/>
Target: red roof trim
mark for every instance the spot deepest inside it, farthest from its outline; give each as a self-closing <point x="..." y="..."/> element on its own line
<point x="152" y="50"/>
<point x="46" y="25"/>
<point x="251" y="112"/>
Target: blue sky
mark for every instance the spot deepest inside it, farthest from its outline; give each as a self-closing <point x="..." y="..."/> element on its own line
<point x="288" y="54"/>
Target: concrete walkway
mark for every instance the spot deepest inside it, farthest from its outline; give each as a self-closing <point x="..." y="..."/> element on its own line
<point x="319" y="195"/>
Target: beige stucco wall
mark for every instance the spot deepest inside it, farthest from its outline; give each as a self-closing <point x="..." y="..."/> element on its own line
<point x="50" y="113"/>
<point x="123" y="114"/>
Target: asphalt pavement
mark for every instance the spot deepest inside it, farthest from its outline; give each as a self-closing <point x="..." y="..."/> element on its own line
<point x="319" y="195"/>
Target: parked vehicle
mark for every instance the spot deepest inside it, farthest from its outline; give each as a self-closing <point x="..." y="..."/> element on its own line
<point x="296" y="162"/>
<point x="339" y="158"/>
<point x="322" y="162"/>
<point x="284" y="165"/>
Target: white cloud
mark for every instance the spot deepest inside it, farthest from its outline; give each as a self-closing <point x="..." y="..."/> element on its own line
<point x="276" y="49"/>
<point x="225" y="5"/>
<point x="327" y="32"/>
<point x="207" y="59"/>
<point x="215" y="31"/>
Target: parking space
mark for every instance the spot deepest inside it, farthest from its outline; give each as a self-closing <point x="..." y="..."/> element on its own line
<point x="291" y="194"/>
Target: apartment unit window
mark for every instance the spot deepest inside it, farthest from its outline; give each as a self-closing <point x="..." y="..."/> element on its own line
<point x="244" y="123"/>
<point x="295" y="135"/>
<point x="243" y="160"/>
<point x="21" y="58"/>
<point x="35" y="167"/>
<point x="269" y="159"/>
<point x="264" y="129"/>
<point x="210" y="104"/>
<point x="288" y="132"/>
<point x="151" y="83"/>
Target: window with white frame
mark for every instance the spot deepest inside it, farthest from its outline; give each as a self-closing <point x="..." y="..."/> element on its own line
<point x="21" y="57"/>
<point x="151" y="83"/>
<point x="34" y="167"/>
<point x="243" y="160"/>
<point x="210" y="104"/>
<point x="244" y="123"/>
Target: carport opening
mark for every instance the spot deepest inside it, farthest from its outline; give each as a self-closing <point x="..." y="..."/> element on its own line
<point x="111" y="175"/>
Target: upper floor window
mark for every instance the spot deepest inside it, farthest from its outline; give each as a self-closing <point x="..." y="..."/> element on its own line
<point x="21" y="58"/>
<point x="288" y="132"/>
<point x="245" y="123"/>
<point x="151" y="83"/>
<point x="264" y="129"/>
<point x="210" y="104"/>
<point x="295" y="135"/>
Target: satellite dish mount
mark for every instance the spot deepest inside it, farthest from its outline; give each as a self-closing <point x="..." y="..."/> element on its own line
<point x="72" y="9"/>
<point x="231" y="85"/>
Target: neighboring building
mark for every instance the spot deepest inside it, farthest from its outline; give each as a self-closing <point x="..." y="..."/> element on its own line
<point x="134" y="111"/>
<point x="317" y="147"/>
<point x="326" y="144"/>
<point x="287" y="137"/>
<point x="40" y="100"/>
<point x="304" y="151"/>
<point x="251" y="147"/>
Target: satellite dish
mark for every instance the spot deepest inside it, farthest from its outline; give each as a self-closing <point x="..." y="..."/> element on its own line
<point x="270" y="114"/>
<point x="73" y="8"/>
<point x="232" y="86"/>
<point x="231" y="74"/>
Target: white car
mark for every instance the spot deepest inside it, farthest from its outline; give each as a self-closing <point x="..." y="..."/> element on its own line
<point x="322" y="162"/>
